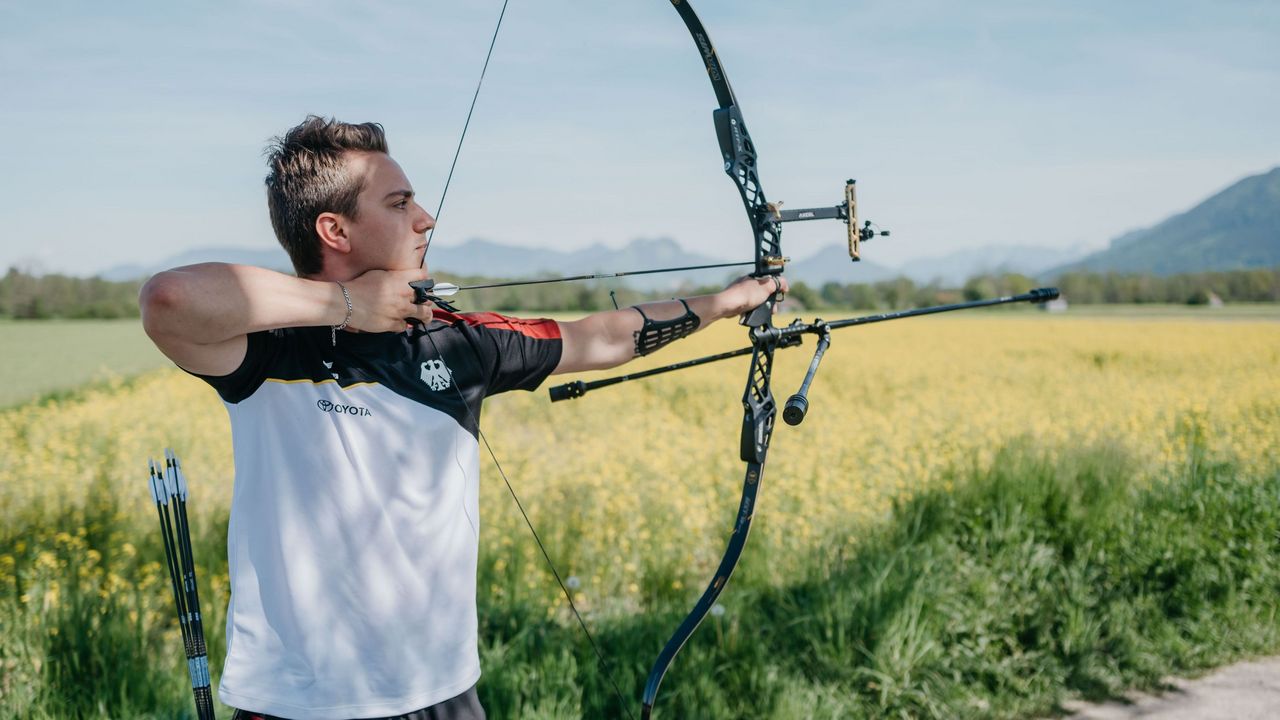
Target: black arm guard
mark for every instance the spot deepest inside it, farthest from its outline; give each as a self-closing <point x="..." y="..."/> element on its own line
<point x="656" y="334"/>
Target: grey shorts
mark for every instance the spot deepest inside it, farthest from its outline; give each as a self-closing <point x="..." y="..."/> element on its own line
<point x="463" y="707"/>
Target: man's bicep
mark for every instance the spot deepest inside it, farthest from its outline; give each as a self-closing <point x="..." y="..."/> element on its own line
<point x="170" y="319"/>
<point x="588" y="344"/>
<point x="214" y="359"/>
<point x="572" y="349"/>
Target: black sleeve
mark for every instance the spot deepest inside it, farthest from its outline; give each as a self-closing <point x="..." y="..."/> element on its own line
<point x="262" y="349"/>
<point x="518" y="354"/>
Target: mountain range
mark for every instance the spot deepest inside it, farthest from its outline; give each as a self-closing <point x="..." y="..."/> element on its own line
<point x="1236" y="228"/>
<point x="478" y="257"/>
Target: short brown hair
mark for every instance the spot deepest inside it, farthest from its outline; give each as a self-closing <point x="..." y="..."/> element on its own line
<point x="309" y="175"/>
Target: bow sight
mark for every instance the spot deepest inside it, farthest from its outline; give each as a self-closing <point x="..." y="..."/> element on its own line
<point x="846" y="211"/>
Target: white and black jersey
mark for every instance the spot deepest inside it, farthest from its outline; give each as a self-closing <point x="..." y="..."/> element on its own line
<point x="354" y="520"/>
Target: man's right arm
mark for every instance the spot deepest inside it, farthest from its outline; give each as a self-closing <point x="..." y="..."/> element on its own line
<point x="200" y="315"/>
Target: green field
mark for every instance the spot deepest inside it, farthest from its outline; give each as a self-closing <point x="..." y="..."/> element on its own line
<point x="52" y="356"/>
<point x="983" y="516"/>
<point x="55" y="356"/>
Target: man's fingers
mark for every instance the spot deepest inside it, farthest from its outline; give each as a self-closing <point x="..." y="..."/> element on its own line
<point x="383" y="300"/>
<point x="422" y="313"/>
<point x="409" y="277"/>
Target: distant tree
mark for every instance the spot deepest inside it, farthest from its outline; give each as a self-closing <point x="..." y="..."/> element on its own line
<point x="805" y="295"/>
<point x="897" y="293"/>
<point x="979" y="286"/>
<point x="24" y="295"/>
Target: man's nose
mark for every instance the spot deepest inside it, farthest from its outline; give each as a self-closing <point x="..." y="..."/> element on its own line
<point x="424" y="222"/>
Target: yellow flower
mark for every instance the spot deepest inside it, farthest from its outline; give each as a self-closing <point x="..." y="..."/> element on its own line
<point x="639" y="483"/>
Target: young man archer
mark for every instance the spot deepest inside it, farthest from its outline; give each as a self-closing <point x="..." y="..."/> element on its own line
<point x="354" y="525"/>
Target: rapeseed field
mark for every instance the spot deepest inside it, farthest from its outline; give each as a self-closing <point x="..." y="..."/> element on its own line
<point x="633" y="488"/>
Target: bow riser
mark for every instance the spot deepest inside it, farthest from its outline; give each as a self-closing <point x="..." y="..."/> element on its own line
<point x="739" y="155"/>
<point x="758" y="407"/>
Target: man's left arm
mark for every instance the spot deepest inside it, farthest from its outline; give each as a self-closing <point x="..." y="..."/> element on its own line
<point x="611" y="338"/>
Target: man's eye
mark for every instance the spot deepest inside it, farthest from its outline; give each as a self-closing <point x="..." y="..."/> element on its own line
<point x="402" y="204"/>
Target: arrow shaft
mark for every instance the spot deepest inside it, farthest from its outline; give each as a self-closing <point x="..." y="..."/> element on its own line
<point x="603" y="276"/>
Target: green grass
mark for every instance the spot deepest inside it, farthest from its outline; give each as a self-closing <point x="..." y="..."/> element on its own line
<point x="1032" y="582"/>
<point x="42" y="357"/>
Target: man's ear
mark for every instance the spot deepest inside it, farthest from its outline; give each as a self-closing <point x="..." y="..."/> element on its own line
<point x="332" y="229"/>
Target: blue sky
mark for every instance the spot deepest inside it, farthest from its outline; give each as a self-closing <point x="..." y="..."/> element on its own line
<point x="135" y="130"/>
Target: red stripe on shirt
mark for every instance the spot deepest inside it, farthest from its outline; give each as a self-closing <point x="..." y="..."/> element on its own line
<point x="537" y="328"/>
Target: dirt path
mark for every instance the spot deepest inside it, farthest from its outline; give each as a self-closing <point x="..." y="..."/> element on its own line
<point x="1244" y="691"/>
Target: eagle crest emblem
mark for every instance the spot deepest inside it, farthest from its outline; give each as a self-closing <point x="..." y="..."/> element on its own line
<point x="436" y="375"/>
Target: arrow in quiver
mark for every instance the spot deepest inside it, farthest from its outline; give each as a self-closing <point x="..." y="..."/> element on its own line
<point x="169" y="492"/>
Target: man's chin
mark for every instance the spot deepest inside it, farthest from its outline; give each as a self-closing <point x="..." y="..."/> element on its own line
<point x="408" y="263"/>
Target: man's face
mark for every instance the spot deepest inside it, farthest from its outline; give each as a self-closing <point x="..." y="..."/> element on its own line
<point x="390" y="230"/>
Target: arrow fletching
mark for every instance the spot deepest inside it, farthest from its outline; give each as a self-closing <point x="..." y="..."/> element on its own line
<point x="177" y="473"/>
<point x="154" y="481"/>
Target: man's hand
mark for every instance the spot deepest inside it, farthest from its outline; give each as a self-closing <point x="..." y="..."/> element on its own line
<point x="748" y="293"/>
<point x="381" y="300"/>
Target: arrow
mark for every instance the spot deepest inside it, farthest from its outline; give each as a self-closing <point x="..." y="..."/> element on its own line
<point x="445" y="289"/>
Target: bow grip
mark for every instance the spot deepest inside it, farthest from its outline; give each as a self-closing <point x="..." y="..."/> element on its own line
<point x="763" y="313"/>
